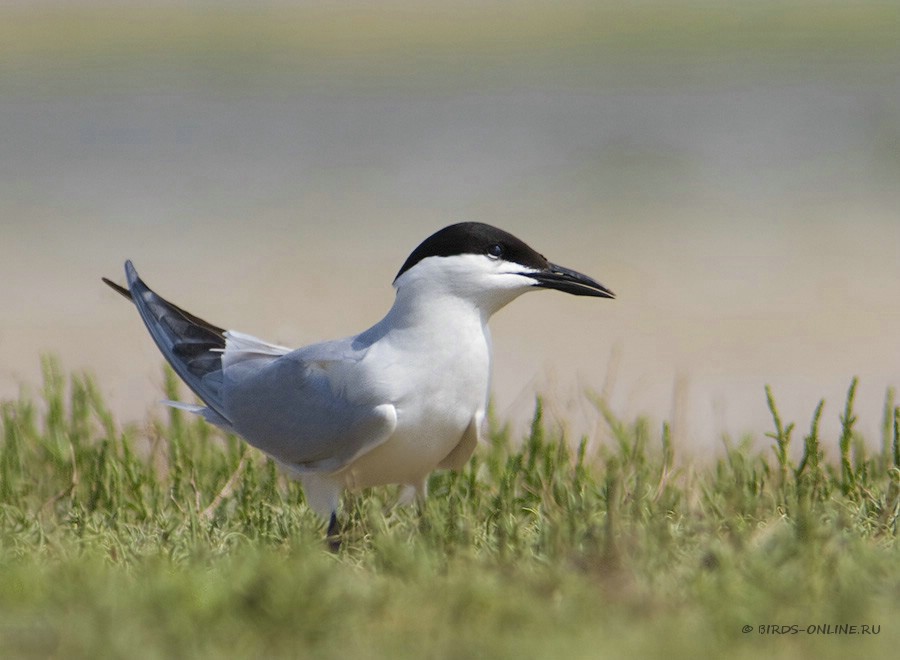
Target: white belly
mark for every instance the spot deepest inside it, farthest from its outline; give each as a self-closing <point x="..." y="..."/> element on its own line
<point x="408" y="457"/>
<point x="435" y="403"/>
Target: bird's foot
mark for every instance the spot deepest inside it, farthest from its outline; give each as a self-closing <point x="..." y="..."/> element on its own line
<point x="333" y="536"/>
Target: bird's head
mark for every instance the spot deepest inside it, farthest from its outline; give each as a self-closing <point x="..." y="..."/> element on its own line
<point x="487" y="266"/>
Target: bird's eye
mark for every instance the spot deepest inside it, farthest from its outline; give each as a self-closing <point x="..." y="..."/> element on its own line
<point x="495" y="251"/>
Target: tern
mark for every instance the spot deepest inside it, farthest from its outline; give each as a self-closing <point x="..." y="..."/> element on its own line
<point x="387" y="406"/>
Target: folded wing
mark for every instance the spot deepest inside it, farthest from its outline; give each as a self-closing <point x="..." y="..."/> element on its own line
<point x="291" y="409"/>
<point x="284" y="403"/>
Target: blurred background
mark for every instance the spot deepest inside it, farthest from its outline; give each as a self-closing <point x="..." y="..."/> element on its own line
<point x="730" y="169"/>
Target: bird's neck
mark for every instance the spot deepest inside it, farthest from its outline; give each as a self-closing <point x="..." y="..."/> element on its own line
<point x="418" y="317"/>
<point x="437" y="309"/>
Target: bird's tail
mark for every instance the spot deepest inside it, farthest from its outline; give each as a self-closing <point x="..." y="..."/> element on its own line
<point x="191" y="345"/>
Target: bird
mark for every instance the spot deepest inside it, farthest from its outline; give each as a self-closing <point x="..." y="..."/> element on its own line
<point x="389" y="405"/>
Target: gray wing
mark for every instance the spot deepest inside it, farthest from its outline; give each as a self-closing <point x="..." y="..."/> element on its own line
<point x="285" y="403"/>
<point x="292" y="408"/>
<point x="192" y="346"/>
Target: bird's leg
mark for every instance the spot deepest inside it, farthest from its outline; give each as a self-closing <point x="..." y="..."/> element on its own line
<point x="333" y="536"/>
<point x="421" y="496"/>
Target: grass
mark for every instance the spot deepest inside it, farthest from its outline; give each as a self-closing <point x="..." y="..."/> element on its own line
<point x="172" y="540"/>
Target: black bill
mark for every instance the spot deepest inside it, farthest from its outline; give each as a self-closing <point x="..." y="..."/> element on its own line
<point x="570" y="281"/>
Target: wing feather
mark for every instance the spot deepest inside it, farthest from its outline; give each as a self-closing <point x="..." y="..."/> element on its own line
<point x="287" y="407"/>
<point x="287" y="404"/>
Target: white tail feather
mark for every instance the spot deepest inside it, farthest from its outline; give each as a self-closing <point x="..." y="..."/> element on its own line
<point x="240" y="347"/>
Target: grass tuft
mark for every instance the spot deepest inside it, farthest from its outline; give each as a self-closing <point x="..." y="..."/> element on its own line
<point x="172" y="538"/>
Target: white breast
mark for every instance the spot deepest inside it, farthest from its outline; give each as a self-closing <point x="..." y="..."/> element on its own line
<point x="437" y="379"/>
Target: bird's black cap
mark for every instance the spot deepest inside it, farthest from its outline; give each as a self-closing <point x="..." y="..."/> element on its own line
<point x="475" y="238"/>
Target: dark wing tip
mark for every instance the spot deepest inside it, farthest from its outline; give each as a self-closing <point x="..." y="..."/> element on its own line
<point x="191" y="345"/>
<point x="121" y="290"/>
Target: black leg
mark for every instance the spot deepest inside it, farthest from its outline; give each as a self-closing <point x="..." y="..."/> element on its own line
<point x="333" y="538"/>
